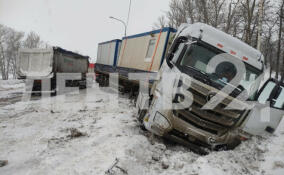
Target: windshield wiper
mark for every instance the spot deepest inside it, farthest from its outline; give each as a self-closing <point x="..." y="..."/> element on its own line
<point x="204" y="76"/>
<point x="197" y="70"/>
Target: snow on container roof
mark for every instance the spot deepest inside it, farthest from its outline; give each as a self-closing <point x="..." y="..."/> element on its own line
<point x="106" y="42"/>
<point x="145" y="51"/>
<point x="166" y="29"/>
<point x="225" y="42"/>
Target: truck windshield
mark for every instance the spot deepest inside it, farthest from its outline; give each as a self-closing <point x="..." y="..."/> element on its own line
<point x="197" y="56"/>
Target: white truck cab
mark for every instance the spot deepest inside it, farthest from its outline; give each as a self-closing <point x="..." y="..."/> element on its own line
<point x="208" y="93"/>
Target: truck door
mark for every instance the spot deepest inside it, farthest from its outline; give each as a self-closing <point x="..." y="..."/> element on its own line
<point x="268" y="110"/>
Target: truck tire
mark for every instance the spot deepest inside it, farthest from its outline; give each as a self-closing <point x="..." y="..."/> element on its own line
<point x="141" y="115"/>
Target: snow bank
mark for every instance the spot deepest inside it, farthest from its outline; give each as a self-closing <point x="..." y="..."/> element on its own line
<point x="11" y="88"/>
<point x="11" y="84"/>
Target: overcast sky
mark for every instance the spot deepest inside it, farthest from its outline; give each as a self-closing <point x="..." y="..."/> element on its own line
<point x="79" y="25"/>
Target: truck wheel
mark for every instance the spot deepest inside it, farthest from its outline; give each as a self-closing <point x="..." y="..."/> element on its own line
<point x="83" y="85"/>
<point x="100" y="81"/>
<point x="141" y="115"/>
<point x="100" y="84"/>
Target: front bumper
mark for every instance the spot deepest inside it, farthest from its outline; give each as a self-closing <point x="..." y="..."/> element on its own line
<point x="189" y="135"/>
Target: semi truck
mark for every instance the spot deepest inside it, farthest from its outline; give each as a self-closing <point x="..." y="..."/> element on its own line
<point x="196" y="99"/>
<point x="39" y="64"/>
<point x="246" y="110"/>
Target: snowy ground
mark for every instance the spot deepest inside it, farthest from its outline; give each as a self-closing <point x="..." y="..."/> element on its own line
<point x="10" y="91"/>
<point x="35" y="137"/>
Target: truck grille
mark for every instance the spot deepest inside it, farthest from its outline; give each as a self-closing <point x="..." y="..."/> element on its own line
<point x="216" y="121"/>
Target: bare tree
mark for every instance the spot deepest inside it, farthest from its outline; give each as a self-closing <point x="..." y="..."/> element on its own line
<point x="239" y="18"/>
<point x="231" y="14"/>
<point x="10" y="42"/>
<point x="32" y="41"/>
<point x="202" y="6"/>
<point x="282" y="70"/>
<point x="268" y="44"/>
<point x="248" y="11"/>
<point x="161" y="23"/>
<point x="14" y="43"/>
<point x="189" y="8"/>
<point x="217" y="12"/>
<point x="260" y="23"/>
<point x="176" y="14"/>
<point x="281" y="28"/>
<point x="281" y="10"/>
<point x="3" y="61"/>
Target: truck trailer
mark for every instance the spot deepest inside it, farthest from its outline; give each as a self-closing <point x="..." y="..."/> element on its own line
<point x="138" y="53"/>
<point x="107" y="58"/>
<point x="39" y="64"/>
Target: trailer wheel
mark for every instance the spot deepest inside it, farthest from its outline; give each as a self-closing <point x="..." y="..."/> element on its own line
<point x="100" y="84"/>
<point x="101" y="80"/>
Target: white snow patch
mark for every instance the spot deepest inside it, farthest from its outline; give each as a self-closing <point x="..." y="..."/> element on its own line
<point x="9" y="88"/>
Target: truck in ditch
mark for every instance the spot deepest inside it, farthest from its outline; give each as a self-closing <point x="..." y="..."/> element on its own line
<point x="40" y="64"/>
<point x="208" y="93"/>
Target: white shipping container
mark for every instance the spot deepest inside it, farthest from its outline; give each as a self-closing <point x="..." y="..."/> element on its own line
<point x="108" y="52"/>
<point x="145" y="51"/>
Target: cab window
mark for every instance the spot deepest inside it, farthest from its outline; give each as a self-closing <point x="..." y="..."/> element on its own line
<point x="265" y="94"/>
<point x="279" y="101"/>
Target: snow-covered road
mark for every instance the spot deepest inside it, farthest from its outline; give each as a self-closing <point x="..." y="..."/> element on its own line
<point x="35" y="138"/>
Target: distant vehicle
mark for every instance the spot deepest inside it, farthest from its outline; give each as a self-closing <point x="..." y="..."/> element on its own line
<point x="45" y="63"/>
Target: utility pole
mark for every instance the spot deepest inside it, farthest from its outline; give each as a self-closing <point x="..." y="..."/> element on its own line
<point x="260" y="21"/>
<point x="281" y="14"/>
<point x="127" y="22"/>
<point x="124" y="23"/>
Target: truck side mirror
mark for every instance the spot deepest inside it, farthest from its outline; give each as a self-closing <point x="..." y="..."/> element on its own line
<point x="169" y="60"/>
<point x="174" y="48"/>
<point x="278" y="101"/>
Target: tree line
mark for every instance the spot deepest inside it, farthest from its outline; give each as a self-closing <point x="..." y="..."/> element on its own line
<point x="243" y="19"/>
<point x="10" y="42"/>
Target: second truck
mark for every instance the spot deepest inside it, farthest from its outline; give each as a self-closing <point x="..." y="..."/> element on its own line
<point x="42" y="64"/>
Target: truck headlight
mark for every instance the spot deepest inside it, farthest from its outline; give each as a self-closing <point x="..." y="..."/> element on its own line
<point x="161" y="121"/>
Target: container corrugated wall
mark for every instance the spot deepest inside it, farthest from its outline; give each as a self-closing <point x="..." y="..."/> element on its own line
<point x="108" y="52"/>
<point x="137" y="51"/>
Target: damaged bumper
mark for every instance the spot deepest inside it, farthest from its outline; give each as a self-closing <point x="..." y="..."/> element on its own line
<point x="168" y="125"/>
